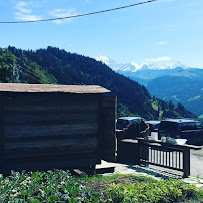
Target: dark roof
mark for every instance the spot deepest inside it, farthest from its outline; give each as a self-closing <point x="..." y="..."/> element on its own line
<point x="79" y="89"/>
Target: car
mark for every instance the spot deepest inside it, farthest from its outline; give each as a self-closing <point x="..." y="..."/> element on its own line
<point x="153" y="125"/>
<point x="125" y="122"/>
<point x="132" y="127"/>
<point x="189" y="129"/>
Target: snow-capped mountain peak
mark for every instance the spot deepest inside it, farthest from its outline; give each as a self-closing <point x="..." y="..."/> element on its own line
<point x="103" y="59"/>
<point x="134" y="67"/>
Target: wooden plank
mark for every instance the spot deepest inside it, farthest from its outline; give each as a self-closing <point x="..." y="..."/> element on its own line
<point x="50" y="165"/>
<point x="40" y="120"/>
<point x="80" y="116"/>
<point x="1" y="128"/>
<point x="40" y="154"/>
<point x="45" y="138"/>
<point x="108" y="129"/>
<point x="43" y="108"/>
<point x="62" y="162"/>
<point x="79" y="89"/>
<point x="62" y="157"/>
<point x="49" y="113"/>
<point x="71" y="143"/>
<point x="45" y="158"/>
<point x="50" y="153"/>
<point x="186" y="162"/>
<point x="33" y="131"/>
<point x="49" y="99"/>
<point x="99" y="129"/>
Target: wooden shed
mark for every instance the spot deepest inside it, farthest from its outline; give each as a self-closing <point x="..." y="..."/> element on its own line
<point x="55" y="126"/>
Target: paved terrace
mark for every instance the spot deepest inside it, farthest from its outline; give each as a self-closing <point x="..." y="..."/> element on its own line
<point x="162" y="173"/>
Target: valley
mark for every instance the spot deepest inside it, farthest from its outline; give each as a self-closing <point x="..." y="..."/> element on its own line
<point x="176" y="82"/>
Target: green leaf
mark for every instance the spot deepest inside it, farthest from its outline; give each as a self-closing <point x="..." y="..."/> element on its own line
<point x="35" y="201"/>
<point x="53" y="198"/>
<point x="24" y="192"/>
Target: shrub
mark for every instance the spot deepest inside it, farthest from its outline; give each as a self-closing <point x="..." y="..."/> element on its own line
<point x="162" y="191"/>
<point x="60" y="186"/>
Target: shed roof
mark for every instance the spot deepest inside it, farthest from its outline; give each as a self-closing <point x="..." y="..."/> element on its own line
<point x="79" y="89"/>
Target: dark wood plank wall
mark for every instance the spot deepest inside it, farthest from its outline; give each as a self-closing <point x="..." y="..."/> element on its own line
<point x="38" y="128"/>
<point x="109" y="106"/>
<point x="1" y="129"/>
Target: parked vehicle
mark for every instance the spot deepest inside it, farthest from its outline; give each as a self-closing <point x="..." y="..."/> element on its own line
<point x="189" y="129"/>
<point x="125" y="122"/>
<point x="153" y="125"/>
<point x="133" y="127"/>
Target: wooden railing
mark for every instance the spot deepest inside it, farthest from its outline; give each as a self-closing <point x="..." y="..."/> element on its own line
<point x="171" y="156"/>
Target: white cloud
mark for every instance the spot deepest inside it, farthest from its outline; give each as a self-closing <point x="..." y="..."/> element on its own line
<point x="24" y="11"/>
<point x="25" y="17"/>
<point x="22" y="7"/>
<point x="61" y="13"/>
<point x="162" y="42"/>
<point x="164" y="58"/>
<point x="22" y="4"/>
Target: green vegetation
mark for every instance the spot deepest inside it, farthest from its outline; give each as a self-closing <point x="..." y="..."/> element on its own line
<point x="163" y="191"/>
<point x="183" y="86"/>
<point x="6" y="61"/>
<point x="60" y="186"/>
<point x="53" y="65"/>
<point x="201" y="117"/>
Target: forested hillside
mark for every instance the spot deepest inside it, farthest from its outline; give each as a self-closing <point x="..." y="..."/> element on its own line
<point x="53" y="65"/>
<point x="179" y="88"/>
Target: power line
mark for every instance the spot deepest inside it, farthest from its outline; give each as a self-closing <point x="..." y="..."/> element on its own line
<point x="33" y="78"/>
<point x="79" y="15"/>
<point x="30" y="74"/>
<point x="28" y="70"/>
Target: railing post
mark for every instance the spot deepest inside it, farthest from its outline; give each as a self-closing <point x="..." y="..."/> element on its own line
<point x="186" y="162"/>
<point x="147" y="153"/>
<point x="143" y="152"/>
<point x="139" y="151"/>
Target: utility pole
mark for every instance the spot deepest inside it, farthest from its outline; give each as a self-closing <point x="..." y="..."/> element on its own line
<point x="14" y="73"/>
<point x="12" y="76"/>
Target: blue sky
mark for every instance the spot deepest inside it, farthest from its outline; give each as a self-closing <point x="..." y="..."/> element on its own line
<point x="165" y="31"/>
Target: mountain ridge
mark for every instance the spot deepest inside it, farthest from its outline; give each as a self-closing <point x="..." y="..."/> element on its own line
<point x="176" y="82"/>
<point x="53" y="65"/>
<point x="134" y="67"/>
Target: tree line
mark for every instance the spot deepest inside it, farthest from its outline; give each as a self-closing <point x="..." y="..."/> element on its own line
<point x="56" y="66"/>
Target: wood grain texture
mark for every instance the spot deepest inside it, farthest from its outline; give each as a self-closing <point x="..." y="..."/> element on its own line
<point x="49" y="130"/>
<point x="79" y="89"/>
<point x="56" y="130"/>
<point x="108" y="130"/>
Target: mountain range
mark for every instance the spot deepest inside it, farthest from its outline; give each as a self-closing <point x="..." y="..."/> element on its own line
<point x="53" y="65"/>
<point x="133" y="67"/>
<point x="175" y="82"/>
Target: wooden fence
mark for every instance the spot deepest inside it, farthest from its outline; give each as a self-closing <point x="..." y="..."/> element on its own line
<point x="140" y="151"/>
<point x="175" y="157"/>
